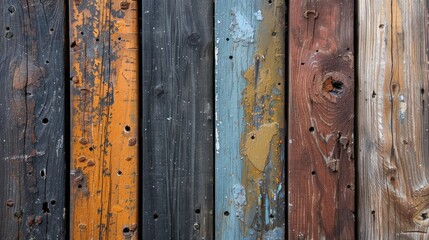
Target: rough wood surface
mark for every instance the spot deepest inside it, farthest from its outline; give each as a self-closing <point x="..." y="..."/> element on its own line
<point x="104" y="94"/>
<point x="177" y="119"/>
<point x="250" y="119"/>
<point x="32" y="167"/>
<point x="321" y="111"/>
<point x="393" y="120"/>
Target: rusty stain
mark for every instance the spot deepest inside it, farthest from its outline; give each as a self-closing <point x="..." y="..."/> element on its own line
<point x="263" y="101"/>
<point x="90" y="163"/>
<point x="132" y="141"/>
<point x="82" y="159"/>
<point x="83" y="141"/>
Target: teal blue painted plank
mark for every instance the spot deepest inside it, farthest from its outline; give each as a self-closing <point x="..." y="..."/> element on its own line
<point x="249" y="83"/>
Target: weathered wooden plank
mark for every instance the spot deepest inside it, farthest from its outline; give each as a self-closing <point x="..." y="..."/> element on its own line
<point x="393" y="120"/>
<point x="177" y="119"/>
<point x="32" y="166"/>
<point x="321" y="112"/>
<point x="104" y="141"/>
<point x="250" y="119"/>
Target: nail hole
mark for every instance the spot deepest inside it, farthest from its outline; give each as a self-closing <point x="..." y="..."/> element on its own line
<point x="373" y="94"/>
<point x="381" y="26"/>
<point x="7" y="28"/>
<point x="226" y="213"/>
<point x="271" y="216"/>
<point x="155" y="217"/>
<point x="51" y="29"/>
<point x="42" y="173"/>
<point x="279" y="84"/>
<point x="97" y="39"/>
<point x="119" y="173"/>
<point x="126" y="230"/>
<point x="313" y="172"/>
<point x="47" y="61"/>
<point x="311" y="129"/>
<point x="197" y="211"/>
<point x="302" y="63"/>
<point x="73" y="44"/>
<point x="270" y="1"/>
<point x="348" y="49"/>
<point x="53" y="202"/>
<point x="424" y="216"/>
<point x="317" y="50"/>
<point x="227" y="39"/>
<point x="119" y="38"/>
<point x="127" y="128"/>
<point x="90" y="148"/>
<point x="81" y="33"/>
<point x="79" y="186"/>
<point x="45" y="121"/>
<point x="372" y="212"/>
<point x="273" y="34"/>
<point x="45" y="208"/>
<point x="422" y="91"/>
<point x="11" y="9"/>
<point x="230" y="57"/>
<point x="349" y="186"/>
<point x="252" y="137"/>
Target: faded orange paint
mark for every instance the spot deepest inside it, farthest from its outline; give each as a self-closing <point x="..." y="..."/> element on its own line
<point x="104" y="95"/>
<point x="264" y="113"/>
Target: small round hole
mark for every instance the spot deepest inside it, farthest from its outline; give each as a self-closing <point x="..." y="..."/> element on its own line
<point x="252" y="137"/>
<point x="155" y="217"/>
<point x="81" y="33"/>
<point x="348" y="49"/>
<point x="279" y="84"/>
<point x="119" y="173"/>
<point x="302" y="63"/>
<point x="231" y="57"/>
<point x="311" y="129"/>
<point x="126" y="230"/>
<point x="51" y="29"/>
<point x="271" y="216"/>
<point x="273" y="34"/>
<point x="313" y="172"/>
<point x="197" y="211"/>
<point x="97" y="39"/>
<point x="79" y="186"/>
<point x="119" y="38"/>
<point x="349" y="186"/>
<point x="227" y="39"/>
<point x="127" y="128"/>
<point x="45" y="121"/>
<point x="7" y="28"/>
<point x="226" y="213"/>
<point x="317" y="50"/>
<point x="372" y="212"/>
<point x="47" y="61"/>
<point x="42" y="173"/>
<point x="270" y="1"/>
<point x="53" y="202"/>
<point x="90" y="148"/>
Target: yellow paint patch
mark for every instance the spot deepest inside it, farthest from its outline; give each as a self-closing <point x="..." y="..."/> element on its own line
<point x="258" y="144"/>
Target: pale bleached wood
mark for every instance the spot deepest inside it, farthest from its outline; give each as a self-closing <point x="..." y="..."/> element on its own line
<point x="393" y="120"/>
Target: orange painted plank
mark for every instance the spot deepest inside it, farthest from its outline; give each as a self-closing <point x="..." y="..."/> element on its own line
<point x="104" y="95"/>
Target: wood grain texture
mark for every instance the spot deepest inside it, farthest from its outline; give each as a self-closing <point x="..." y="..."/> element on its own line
<point x="321" y="112"/>
<point x="250" y="119"/>
<point x="32" y="166"/>
<point x="177" y="119"/>
<point x="104" y="100"/>
<point x="393" y="120"/>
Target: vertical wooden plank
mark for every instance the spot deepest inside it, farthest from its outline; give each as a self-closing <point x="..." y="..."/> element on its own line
<point x="393" y="120"/>
<point x="321" y="112"/>
<point x="104" y="95"/>
<point x="177" y="119"/>
<point x="32" y="167"/>
<point x="250" y="119"/>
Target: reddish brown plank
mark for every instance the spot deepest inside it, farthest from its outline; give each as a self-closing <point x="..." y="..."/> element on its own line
<point x="321" y="113"/>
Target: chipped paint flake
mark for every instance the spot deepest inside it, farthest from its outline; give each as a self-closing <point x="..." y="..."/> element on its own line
<point x="239" y="194"/>
<point x="240" y="28"/>
<point x="258" y="15"/>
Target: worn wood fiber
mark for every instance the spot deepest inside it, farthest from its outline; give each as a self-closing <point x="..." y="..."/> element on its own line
<point x="393" y="120"/>
<point x="321" y="112"/>
<point x="177" y="119"/>
<point x="32" y="167"/>
<point x="250" y="119"/>
<point x="104" y="100"/>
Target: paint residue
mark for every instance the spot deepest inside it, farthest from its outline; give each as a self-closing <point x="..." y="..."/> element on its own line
<point x="240" y="28"/>
<point x="239" y="195"/>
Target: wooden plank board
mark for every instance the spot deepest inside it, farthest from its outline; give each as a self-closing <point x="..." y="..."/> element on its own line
<point x="177" y="119"/>
<point x="393" y="120"/>
<point x="250" y="119"/>
<point x="104" y="101"/>
<point x="32" y="166"/>
<point x="321" y="112"/>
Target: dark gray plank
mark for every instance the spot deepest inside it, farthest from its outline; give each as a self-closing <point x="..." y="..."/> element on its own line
<point x="177" y="119"/>
<point x="32" y="163"/>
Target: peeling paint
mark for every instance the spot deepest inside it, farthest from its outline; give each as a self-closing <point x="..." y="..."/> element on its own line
<point x="241" y="30"/>
<point x="275" y="234"/>
<point x="258" y="15"/>
<point x="239" y="195"/>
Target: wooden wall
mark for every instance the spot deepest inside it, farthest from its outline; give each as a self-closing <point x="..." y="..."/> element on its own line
<point x="226" y="119"/>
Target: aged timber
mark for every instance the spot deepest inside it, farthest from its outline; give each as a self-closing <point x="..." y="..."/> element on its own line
<point x="32" y="166"/>
<point x="177" y="119"/>
<point x="250" y="119"/>
<point x="104" y="101"/>
<point x="393" y="120"/>
<point x="321" y="112"/>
